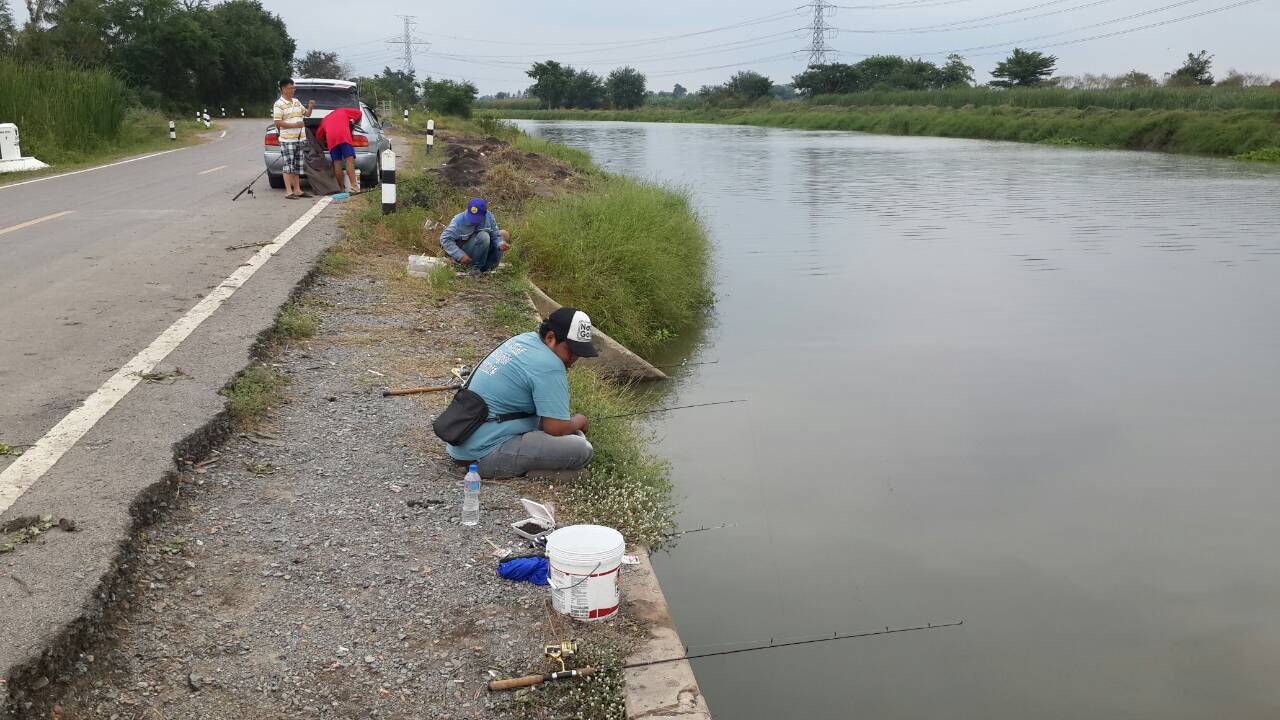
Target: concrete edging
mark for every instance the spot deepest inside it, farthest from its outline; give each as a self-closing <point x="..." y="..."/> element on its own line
<point x="663" y="691"/>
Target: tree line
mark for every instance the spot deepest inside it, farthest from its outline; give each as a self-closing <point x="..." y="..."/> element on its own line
<point x="170" y="53"/>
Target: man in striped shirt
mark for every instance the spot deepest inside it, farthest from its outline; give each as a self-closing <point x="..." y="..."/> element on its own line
<point x="288" y="113"/>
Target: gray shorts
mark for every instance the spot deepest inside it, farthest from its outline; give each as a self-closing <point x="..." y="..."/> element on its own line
<point x="536" y="450"/>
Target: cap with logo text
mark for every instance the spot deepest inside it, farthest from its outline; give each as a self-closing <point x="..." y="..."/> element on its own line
<point x="574" y="327"/>
<point x="477" y="211"/>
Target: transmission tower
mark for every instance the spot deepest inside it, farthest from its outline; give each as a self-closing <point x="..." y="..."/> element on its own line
<point x="819" y="52"/>
<point x="409" y="41"/>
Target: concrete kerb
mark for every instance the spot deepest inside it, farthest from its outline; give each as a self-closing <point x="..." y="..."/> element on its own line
<point x="615" y="359"/>
<point x="661" y="691"/>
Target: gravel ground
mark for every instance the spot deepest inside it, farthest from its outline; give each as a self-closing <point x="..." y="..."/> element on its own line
<point x="318" y="569"/>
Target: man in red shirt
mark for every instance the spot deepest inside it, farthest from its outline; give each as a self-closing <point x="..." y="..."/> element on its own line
<point x="335" y="134"/>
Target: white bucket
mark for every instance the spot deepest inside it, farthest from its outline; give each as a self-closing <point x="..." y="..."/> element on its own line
<point x="584" y="562"/>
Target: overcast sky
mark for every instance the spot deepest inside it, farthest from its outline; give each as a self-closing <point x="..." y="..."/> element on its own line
<point x="493" y="43"/>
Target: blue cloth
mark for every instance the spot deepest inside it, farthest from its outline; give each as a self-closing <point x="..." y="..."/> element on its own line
<point x="342" y="150"/>
<point x="532" y="569"/>
<point x="522" y="375"/>
<point x="461" y="230"/>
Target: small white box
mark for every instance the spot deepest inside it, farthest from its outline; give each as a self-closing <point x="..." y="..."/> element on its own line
<point x="541" y="521"/>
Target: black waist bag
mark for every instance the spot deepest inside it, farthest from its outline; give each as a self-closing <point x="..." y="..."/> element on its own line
<point x="466" y="413"/>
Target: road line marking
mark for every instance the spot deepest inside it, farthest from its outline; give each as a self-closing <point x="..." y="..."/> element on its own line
<point x="224" y="134"/>
<point x="210" y="170"/>
<point x="37" y="221"/>
<point x="99" y="167"/>
<point x="36" y="461"/>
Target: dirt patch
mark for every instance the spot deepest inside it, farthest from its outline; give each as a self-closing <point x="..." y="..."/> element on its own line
<point x="505" y="175"/>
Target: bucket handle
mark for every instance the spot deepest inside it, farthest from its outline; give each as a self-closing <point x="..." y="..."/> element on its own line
<point x="570" y="587"/>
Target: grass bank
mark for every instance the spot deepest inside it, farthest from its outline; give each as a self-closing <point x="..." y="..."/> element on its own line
<point x="70" y="116"/>
<point x="1227" y="133"/>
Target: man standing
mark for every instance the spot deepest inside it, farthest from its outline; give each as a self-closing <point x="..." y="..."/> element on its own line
<point x="473" y="238"/>
<point x="529" y="375"/>
<point x="335" y="134"/>
<point x="288" y="113"/>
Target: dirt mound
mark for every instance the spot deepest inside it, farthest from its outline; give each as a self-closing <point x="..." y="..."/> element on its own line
<point x="465" y="168"/>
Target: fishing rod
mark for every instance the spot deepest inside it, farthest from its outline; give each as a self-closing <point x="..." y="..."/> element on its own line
<point x="249" y="188"/>
<point x="668" y="409"/>
<point x="704" y="528"/>
<point x="530" y="680"/>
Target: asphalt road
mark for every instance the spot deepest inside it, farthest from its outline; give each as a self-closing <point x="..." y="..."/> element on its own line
<point x="94" y="267"/>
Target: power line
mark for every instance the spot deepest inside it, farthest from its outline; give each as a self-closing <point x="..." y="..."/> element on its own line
<point x="409" y="42"/>
<point x="912" y="4"/>
<point x="704" y="50"/>
<point x="970" y="23"/>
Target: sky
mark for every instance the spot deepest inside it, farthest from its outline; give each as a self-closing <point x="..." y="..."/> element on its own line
<point x="493" y="43"/>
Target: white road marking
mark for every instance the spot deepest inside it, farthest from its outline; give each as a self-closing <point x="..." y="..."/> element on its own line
<point x="224" y="134"/>
<point x="37" y="221"/>
<point x="36" y="461"/>
<point x="211" y="170"/>
<point x="99" y="167"/>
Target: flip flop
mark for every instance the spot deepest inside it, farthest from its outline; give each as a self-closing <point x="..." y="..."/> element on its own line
<point x="292" y="197"/>
<point x="306" y="195"/>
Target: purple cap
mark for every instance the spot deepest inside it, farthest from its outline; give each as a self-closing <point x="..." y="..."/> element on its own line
<point x="477" y="211"/>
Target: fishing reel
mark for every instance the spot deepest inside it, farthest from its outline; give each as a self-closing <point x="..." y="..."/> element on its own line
<point x="563" y="651"/>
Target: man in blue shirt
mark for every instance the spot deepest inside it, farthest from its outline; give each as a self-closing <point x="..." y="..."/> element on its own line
<point x="473" y="238"/>
<point x="530" y="374"/>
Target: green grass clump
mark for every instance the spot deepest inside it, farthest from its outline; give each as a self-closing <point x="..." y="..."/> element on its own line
<point x="253" y="393"/>
<point x="335" y="263"/>
<point x="632" y="255"/>
<point x="443" y="279"/>
<point x="295" y="322"/>
<point x="513" y="315"/>
<point x="629" y="489"/>
<point x="1268" y="154"/>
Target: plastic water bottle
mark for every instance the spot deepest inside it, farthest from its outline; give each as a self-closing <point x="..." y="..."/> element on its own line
<point x="471" y="497"/>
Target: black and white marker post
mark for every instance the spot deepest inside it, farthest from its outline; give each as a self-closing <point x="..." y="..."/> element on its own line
<point x="205" y="118"/>
<point x="224" y="112"/>
<point x="388" y="182"/>
<point x="173" y="131"/>
<point x="431" y="135"/>
<point x="241" y="112"/>
<point x="406" y="117"/>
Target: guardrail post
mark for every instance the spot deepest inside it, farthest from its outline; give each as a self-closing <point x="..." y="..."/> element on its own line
<point x="388" y="180"/>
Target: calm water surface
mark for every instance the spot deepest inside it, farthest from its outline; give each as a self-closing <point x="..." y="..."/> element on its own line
<point x="1037" y="389"/>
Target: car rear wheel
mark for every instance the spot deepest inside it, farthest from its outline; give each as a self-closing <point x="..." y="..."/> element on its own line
<point x="276" y="181"/>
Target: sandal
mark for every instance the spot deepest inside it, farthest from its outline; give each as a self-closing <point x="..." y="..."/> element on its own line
<point x="305" y="195"/>
<point x="291" y="197"/>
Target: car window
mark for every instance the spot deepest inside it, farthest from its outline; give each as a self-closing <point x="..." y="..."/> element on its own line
<point x="328" y="98"/>
<point x="370" y="115"/>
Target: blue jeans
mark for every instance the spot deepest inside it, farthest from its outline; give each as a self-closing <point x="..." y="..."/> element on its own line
<point x="483" y="251"/>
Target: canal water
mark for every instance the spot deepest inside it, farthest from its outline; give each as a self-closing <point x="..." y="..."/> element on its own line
<point x="1033" y="388"/>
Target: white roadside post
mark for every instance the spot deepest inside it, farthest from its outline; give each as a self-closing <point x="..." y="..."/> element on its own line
<point x="224" y="112"/>
<point x="11" y="159"/>
<point x="241" y="112"/>
<point x="431" y="135"/>
<point x="406" y="117"/>
<point x="173" y="130"/>
<point x="205" y="118"/>
<point x="388" y="180"/>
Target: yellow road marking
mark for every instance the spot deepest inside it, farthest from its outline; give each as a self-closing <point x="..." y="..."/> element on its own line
<point x="37" y="221"/>
<point x="206" y="172"/>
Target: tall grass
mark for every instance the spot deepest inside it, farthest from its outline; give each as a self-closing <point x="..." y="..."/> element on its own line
<point x="632" y="254"/>
<point x="63" y="113"/>
<point x="1159" y="98"/>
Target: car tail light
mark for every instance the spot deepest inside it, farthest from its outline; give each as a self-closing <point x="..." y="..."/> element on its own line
<point x="273" y="138"/>
<point x="359" y="141"/>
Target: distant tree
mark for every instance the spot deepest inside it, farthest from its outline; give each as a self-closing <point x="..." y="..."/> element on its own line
<point x="586" y="90"/>
<point x="320" y="64"/>
<point x="749" y="85"/>
<point x="1238" y="79"/>
<point x="679" y="91"/>
<point x="550" y="83"/>
<point x="828" y="78"/>
<point x="79" y="31"/>
<point x="1134" y="79"/>
<point x="626" y="88"/>
<point x="397" y="86"/>
<point x="502" y="96"/>
<point x="254" y="48"/>
<point x="955" y="73"/>
<point x="1023" y="68"/>
<point x="449" y="97"/>
<point x="1195" y="70"/>
<point x="8" y="28"/>
<point x="783" y="92"/>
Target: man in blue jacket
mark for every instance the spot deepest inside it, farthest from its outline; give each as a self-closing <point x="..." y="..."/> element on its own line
<point x="473" y="238"/>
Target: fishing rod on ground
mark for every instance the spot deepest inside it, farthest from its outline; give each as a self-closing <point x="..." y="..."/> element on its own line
<point x="563" y="674"/>
<point x="249" y="188"/>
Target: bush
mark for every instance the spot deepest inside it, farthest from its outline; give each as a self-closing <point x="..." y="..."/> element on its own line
<point x="63" y="113"/>
<point x="632" y="255"/>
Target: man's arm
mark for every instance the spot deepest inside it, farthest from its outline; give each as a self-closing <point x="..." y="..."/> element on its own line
<point x="560" y="428"/>
<point x="311" y="105"/>
<point x="449" y="241"/>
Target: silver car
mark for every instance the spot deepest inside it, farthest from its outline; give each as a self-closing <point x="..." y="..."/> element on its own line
<point x="368" y="138"/>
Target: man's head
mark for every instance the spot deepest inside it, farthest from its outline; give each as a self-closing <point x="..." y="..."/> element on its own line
<point x="286" y="88"/>
<point x="567" y="332"/>
<point x="477" y="211"/>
